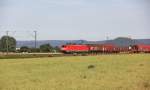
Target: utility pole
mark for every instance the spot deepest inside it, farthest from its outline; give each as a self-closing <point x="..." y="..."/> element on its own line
<point x="35" y="37"/>
<point x="7" y="42"/>
<point x="107" y="38"/>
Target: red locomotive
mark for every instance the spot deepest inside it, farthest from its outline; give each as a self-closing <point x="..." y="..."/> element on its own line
<point x="104" y="48"/>
<point x="75" y="48"/>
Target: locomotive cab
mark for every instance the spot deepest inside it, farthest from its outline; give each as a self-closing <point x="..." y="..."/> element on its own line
<point x="63" y="48"/>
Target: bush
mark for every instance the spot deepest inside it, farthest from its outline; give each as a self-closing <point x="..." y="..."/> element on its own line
<point x="46" y="48"/>
<point x="24" y="49"/>
<point x="34" y="50"/>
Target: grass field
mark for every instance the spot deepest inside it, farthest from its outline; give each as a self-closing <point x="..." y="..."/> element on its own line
<point x="104" y="72"/>
<point x="28" y="55"/>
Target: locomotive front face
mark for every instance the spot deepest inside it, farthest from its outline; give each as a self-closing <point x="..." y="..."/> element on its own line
<point x="63" y="48"/>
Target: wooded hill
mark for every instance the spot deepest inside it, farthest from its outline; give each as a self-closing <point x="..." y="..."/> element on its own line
<point x="120" y="41"/>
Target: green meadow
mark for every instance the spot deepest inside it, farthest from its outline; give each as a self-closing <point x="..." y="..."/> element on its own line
<point x="103" y="72"/>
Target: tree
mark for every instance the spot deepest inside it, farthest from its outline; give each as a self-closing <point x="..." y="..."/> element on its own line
<point x="46" y="48"/>
<point x="9" y="43"/>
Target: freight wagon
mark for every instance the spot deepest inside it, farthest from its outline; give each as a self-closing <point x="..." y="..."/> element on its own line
<point x="140" y="48"/>
<point x="103" y="48"/>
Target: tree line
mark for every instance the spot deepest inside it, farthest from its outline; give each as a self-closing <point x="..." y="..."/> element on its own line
<point x="8" y="44"/>
<point x="45" y="48"/>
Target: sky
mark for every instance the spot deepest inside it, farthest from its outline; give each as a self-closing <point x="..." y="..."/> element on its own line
<point x="75" y="19"/>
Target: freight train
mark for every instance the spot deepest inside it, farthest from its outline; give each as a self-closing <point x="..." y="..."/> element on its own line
<point x="104" y="48"/>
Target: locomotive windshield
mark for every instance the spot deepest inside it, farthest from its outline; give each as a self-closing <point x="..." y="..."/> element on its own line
<point x="63" y="46"/>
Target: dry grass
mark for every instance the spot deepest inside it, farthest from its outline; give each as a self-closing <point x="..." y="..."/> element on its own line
<point x="104" y="72"/>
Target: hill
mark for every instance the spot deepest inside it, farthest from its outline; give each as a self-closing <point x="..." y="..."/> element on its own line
<point x="120" y="41"/>
<point x="123" y="41"/>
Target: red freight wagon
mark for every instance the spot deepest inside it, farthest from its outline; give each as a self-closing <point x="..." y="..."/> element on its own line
<point x="75" y="48"/>
<point x="103" y="48"/>
<point x="123" y="49"/>
<point x="96" y="47"/>
<point x="141" y="48"/>
<point x="109" y="48"/>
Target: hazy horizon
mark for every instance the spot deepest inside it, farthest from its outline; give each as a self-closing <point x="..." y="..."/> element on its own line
<point x="92" y="20"/>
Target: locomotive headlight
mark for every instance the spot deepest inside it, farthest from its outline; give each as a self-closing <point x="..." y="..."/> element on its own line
<point x="63" y="49"/>
<point x="130" y="48"/>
